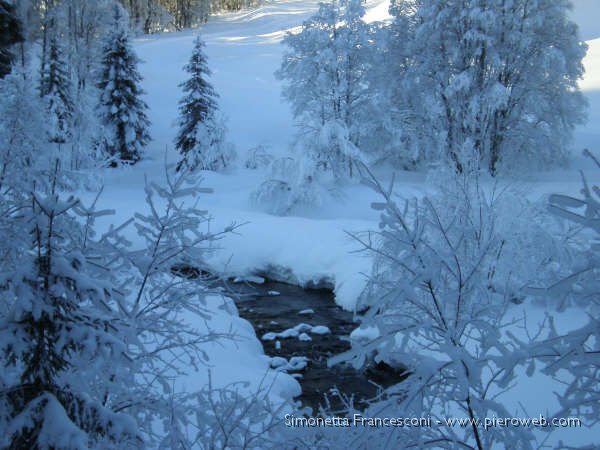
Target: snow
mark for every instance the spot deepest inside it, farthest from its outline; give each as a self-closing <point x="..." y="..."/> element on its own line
<point x="320" y="329"/>
<point x="249" y="279"/>
<point x="244" y="50"/>
<point x="296" y="250"/>
<point x="224" y="355"/>
<point x="365" y="333"/>
<point x="299" y="331"/>
<point x="315" y="248"/>
<point x="283" y="365"/>
<point x="304" y="337"/>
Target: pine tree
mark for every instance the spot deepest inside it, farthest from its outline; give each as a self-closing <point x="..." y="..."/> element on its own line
<point x="56" y="89"/>
<point x="122" y="110"/>
<point x="200" y="139"/>
<point x="10" y="34"/>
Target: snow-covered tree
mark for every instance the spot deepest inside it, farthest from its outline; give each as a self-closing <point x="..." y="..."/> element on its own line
<point x="76" y="31"/>
<point x="395" y="106"/>
<point x="166" y="307"/>
<point x="324" y="82"/>
<point x="56" y="90"/>
<point x="93" y="331"/>
<point x="436" y="307"/>
<point x="10" y="34"/>
<point x="290" y="186"/>
<point x="122" y="109"/>
<point x="201" y="137"/>
<point x="83" y="28"/>
<point x="22" y="127"/>
<point x="496" y="80"/>
<point x="59" y="334"/>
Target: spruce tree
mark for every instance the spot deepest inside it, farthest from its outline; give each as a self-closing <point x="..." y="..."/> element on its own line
<point x="200" y="139"/>
<point x="56" y="89"/>
<point x="60" y="344"/>
<point x="10" y="34"/>
<point x="122" y="109"/>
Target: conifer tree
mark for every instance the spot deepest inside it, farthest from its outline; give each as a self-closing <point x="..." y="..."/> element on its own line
<point x="122" y="109"/>
<point x="56" y="89"/>
<point x="10" y="34"/>
<point x="200" y="139"/>
<point x="58" y="337"/>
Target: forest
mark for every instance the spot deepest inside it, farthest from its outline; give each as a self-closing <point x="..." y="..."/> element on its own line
<point x="291" y="224"/>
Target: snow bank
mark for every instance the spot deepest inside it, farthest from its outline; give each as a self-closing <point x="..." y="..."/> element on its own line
<point x="296" y="250"/>
<point x="225" y="356"/>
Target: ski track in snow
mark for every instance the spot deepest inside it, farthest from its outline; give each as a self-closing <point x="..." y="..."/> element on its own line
<point x="244" y="50"/>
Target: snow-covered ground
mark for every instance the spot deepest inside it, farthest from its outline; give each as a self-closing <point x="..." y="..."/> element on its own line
<point x="244" y="50"/>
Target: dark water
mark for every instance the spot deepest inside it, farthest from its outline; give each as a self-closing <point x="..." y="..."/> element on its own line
<point x="274" y="313"/>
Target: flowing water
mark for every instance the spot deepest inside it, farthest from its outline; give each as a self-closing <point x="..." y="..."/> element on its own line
<point x="273" y="307"/>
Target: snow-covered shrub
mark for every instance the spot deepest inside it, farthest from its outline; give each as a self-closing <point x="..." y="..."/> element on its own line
<point x="535" y="242"/>
<point x="290" y="185"/>
<point x="330" y="149"/>
<point x="258" y="157"/>
<point x="574" y="357"/>
<point x="167" y="310"/>
<point x="436" y="305"/>
<point x="233" y="417"/>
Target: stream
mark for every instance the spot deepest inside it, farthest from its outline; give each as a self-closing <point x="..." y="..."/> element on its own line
<point x="273" y="307"/>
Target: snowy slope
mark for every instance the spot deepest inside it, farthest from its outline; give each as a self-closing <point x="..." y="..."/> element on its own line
<point x="243" y="51"/>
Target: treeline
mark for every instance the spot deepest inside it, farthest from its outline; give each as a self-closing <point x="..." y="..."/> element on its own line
<point x="150" y="16"/>
<point x="146" y="16"/>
